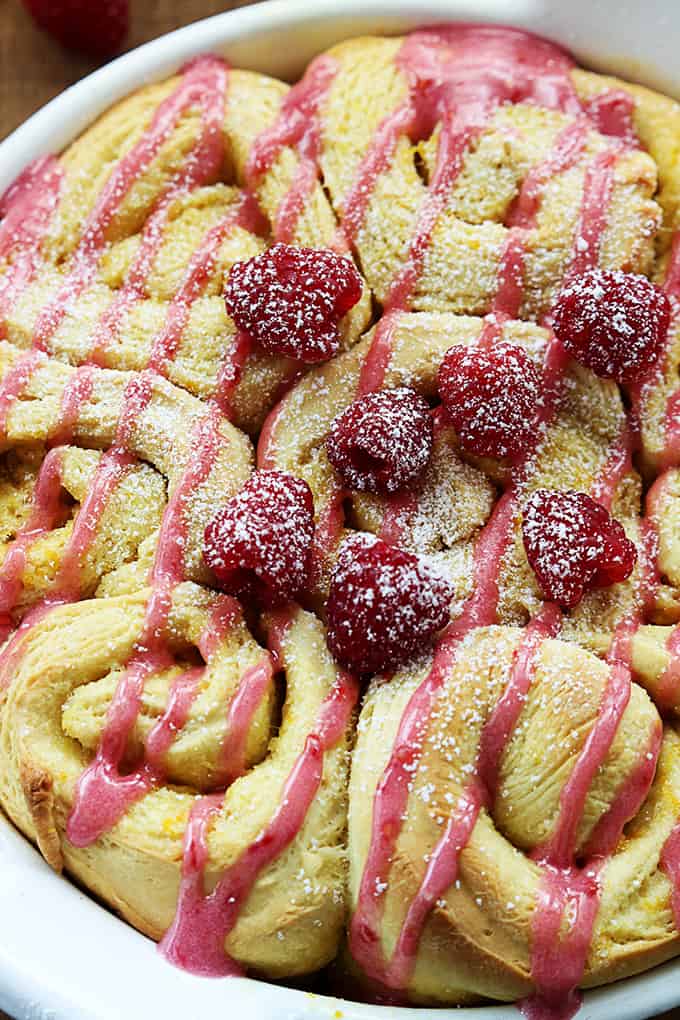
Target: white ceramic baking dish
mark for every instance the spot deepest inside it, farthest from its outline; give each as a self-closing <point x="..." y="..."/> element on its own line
<point x="63" y="956"/>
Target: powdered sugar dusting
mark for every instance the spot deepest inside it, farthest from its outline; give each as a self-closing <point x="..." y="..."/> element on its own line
<point x="491" y="397"/>
<point x="384" y="605"/>
<point x="382" y="442"/>
<point x="259" y="544"/>
<point x="290" y="300"/>
<point x="612" y="322"/>
<point x="573" y="544"/>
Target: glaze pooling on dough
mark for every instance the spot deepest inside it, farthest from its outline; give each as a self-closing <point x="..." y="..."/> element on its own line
<point x="83" y="550"/>
<point x="196" y="939"/>
<point x="26" y="209"/>
<point x="591" y="225"/>
<point x="438" y="80"/>
<point x="507" y="792"/>
<point x="297" y="126"/>
<point x="103" y="795"/>
<point x="125" y="288"/>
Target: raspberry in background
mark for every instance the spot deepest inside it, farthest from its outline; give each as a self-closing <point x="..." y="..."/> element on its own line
<point x="573" y="545"/>
<point x="382" y="442"/>
<point x="290" y="300"/>
<point x="612" y="322"/>
<point x="259" y="544"/>
<point x="96" y="29"/>
<point x="490" y="396"/>
<point x="385" y="605"/>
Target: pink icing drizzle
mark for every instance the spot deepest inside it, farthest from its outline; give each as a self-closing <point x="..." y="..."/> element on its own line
<point x="26" y="208"/>
<point x="204" y="84"/>
<point x="46" y="511"/>
<point x="458" y="75"/>
<point x="47" y="506"/>
<point x="15" y="382"/>
<point x="668" y="684"/>
<point x="558" y="960"/>
<point x="597" y="189"/>
<point x="266" y="445"/>
<point x="112" y="468"/>
<point x="391" y="795"/>
<point x="161" y="738"/>
<point x="473" y="84"/>
<point x="568" y="149"/>
<point x="195" y="941"/>
<point x="502" y="722"/>
<point x="557" y="963"/>
<point x="560" y="848"/>
<point x="471" y="110"/>
<point x="670" y="862"/>
<point x="617" y="465"/>
<point x="198" y="273"/>
<point x="231" y="371"/>
<point x="10" y="656"/>
<point x="198" y="82"/>
<point x="77" y="393"/>
<point x="301" y="129"/>
<point x="297" y="126"/>
<point x="666" y="692"/>
<point x="628" y="800"/>
<point x="441" y="873"/>
<point x="103" y="794"/>
<point x="242" y="708"/>
<point x="670" y="454"/>
<point x="612" y="112"/>
<point x="376" y="362"/>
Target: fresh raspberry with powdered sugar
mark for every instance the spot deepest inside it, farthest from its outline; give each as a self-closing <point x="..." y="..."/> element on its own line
<point x="290" y="300"/>
<point x="78" y="26"/>
<point x="490" y="396"/>
<point x="612" y="322"/>
<point x="382" y="442"/>
<point x="574" y="545"/>
<point x="259" y="544"/>
<point x="384" y="605"/>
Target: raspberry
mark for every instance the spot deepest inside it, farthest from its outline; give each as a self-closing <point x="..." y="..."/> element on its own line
<point x="72" y="23"/>
<point x="573" y="545"/>
<point x="259" y="544"/>
<point x="290" y="300"/>
<point x="384" y="605"/>
<point x="490" y="397"/>
<point x="612" y="322"/>
<point x="382" y="442"/>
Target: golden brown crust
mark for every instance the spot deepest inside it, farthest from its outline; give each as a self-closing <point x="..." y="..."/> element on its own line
<point x="38" y="791"/>
<point x="298" y="902"/>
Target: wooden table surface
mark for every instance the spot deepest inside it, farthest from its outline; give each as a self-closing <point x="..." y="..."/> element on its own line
<point x="33" y="69"/>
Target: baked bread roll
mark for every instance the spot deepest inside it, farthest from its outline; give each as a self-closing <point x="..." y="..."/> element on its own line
<point x="137" y="226"/>
<point x="397" y="692"/>
<point x="92" y="459"/>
